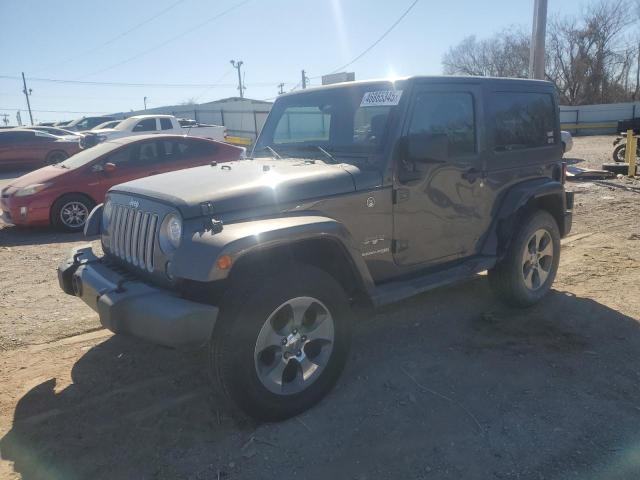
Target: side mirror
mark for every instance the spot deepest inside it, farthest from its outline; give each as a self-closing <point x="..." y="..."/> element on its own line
<point x="110" y="167"/>
<point x="427" y="148"/>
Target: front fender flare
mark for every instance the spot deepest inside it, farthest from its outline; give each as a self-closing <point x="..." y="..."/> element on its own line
<point x="196" y="258"/>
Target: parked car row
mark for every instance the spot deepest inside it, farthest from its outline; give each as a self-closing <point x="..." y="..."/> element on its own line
<point x="63" y="194"/>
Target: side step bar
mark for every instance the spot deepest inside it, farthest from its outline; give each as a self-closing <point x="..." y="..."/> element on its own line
<point x="399" y="290"/>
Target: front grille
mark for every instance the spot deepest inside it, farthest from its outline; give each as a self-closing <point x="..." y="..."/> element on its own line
<point x="133" y="236"/>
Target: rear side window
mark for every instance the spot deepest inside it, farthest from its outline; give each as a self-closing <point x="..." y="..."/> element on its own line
<point x="450" y="114"/>
<point x="522" y="120"/>
<point x="175" y="150"/>
<point x="146" y="125"/>
<point x="165" y="124"/>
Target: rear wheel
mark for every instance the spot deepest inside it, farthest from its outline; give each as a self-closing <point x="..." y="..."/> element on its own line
<point x="281" y="344"/>
<point x="55" y="157"/>
<point x="529" y="267"/>
<point x="70" y="212"/>
<point x="619" y="153"/>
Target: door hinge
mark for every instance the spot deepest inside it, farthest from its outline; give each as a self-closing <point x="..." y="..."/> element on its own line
<point x="399" y="245"/>
<point x="400" y="195"/>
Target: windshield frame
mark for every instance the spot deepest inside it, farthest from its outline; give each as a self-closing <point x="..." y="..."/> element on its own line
<point x="347" y="153"/>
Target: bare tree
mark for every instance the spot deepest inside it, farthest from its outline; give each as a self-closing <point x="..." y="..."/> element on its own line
<point x="503" y="55"/>
<point x="590" y="58"/>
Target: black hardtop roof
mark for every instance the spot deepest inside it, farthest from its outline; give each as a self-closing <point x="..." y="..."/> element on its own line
<point x="453" y="79"/>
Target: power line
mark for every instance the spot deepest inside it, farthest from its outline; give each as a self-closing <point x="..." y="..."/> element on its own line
<point x="370" y="47"/>
<point x="134" y="84"/>
<point x="180" y="35"/>
<point x="50" y="111"/>
<point x="113" y="39"/>
<point x="215" y="84"/>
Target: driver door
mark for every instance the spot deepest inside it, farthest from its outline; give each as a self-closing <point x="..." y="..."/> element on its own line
<point x="438" y="210"/>
<point x="131" y="162"/>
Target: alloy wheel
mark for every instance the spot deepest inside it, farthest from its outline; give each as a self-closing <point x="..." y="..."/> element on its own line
<point x="74" y="214"/>
<point x="537" y="259"/>
<point x="294" y="345"/>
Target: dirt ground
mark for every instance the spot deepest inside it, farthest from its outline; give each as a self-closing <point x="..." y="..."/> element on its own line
<point x="447" y="385"/>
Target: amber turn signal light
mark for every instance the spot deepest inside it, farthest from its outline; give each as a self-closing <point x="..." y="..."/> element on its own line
<point x="224" y="262"/>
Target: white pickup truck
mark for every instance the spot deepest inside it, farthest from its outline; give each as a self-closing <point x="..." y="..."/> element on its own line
<point x="146" y="124"/>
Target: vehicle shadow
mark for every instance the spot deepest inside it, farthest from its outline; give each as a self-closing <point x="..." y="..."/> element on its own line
<point x="12" y="236"/>
<point x="450" y="384"/>
<point x="10" y="174"/>
<point x="572" y="160"/>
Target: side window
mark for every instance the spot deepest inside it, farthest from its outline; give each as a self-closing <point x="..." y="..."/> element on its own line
<point x="147" y="153"/>
<point x="165" y="124"/>
<point x="450" y="114"/>
<point x="522" y="120"/>
<point x="121" y="158"/>
<point x="146" y="125"/>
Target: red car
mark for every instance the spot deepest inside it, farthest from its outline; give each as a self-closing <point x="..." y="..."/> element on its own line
<point x="24" y="149"/>
<point x="63" y="194"/>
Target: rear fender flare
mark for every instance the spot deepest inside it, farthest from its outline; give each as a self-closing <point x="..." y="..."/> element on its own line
<point x="515" y="202"/>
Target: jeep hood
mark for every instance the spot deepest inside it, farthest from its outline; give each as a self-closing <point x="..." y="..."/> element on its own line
<point x="244" y="184"/>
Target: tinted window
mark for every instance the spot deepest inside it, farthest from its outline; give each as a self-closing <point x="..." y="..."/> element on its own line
<point x="449" y="114"/>
<point x="121" y="158"/>
<point x="147" y="153"/>
<point x="523" y="120"/>
<point x="174" y="150"/>
<point x="165" y="124"/>
<point x="146" y="125"/>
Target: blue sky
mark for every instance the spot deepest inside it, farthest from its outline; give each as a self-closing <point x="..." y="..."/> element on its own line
<point x="274" y="38"/>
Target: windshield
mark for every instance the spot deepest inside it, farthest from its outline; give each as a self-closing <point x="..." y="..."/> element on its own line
<point x="85" y="156"/>
<point x="352" y="120"/>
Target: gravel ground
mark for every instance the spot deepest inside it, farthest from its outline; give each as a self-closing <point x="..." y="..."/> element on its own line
<point x="448" y="385"/>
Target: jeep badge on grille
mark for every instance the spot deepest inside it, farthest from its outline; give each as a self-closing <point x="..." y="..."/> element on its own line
<point x="134" y="203"/>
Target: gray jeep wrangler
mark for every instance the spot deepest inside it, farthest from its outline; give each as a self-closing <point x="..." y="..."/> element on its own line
<point x="356" y="195"/>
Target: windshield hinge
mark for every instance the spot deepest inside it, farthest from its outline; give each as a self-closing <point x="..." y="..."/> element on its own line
<point x="399" y="245"/>
<point x="400" y="195"/>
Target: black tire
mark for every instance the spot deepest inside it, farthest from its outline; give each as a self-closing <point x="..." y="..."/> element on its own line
<point x="245" y="312"/>
<point x="55" y="157"/>
<point x="619" y="152"/>
<point x="509" y="277"/>
<point x="59" y="209"/>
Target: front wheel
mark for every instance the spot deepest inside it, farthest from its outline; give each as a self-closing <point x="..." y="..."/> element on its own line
<point x="281" y="344"/>
<point x="70" y="212"/>
<point x="529" y="267"/>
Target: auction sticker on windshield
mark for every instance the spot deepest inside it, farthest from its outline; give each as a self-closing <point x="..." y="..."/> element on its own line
<point x="381" y="98"/>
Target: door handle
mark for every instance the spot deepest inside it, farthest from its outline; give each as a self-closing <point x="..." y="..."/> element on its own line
<point x="471" y="175"/>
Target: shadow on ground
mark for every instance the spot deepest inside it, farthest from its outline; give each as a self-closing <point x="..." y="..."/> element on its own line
<point x="12" y="236"/>
<point x="447" y="385"/>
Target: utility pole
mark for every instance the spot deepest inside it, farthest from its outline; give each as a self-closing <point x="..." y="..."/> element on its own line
<point x="5" y="119"/>
<point x="304" y="80"/>
<point x="19" y="118"/>
<point x="237" y="66"/>
<point x="26" y="95"/>
<point x="280" y="88"/>
<point x="536" y="54"/>
<point x="145" y="103"/>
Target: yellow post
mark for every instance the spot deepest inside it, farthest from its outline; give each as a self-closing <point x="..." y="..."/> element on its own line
<point x="630" y="153"/>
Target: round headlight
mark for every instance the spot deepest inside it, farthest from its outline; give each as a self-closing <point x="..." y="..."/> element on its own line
<point x="171" y="232"/>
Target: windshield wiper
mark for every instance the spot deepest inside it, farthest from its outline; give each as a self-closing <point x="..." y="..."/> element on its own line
<point x="328" y="155"/>
<point x="273" y="152"/>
